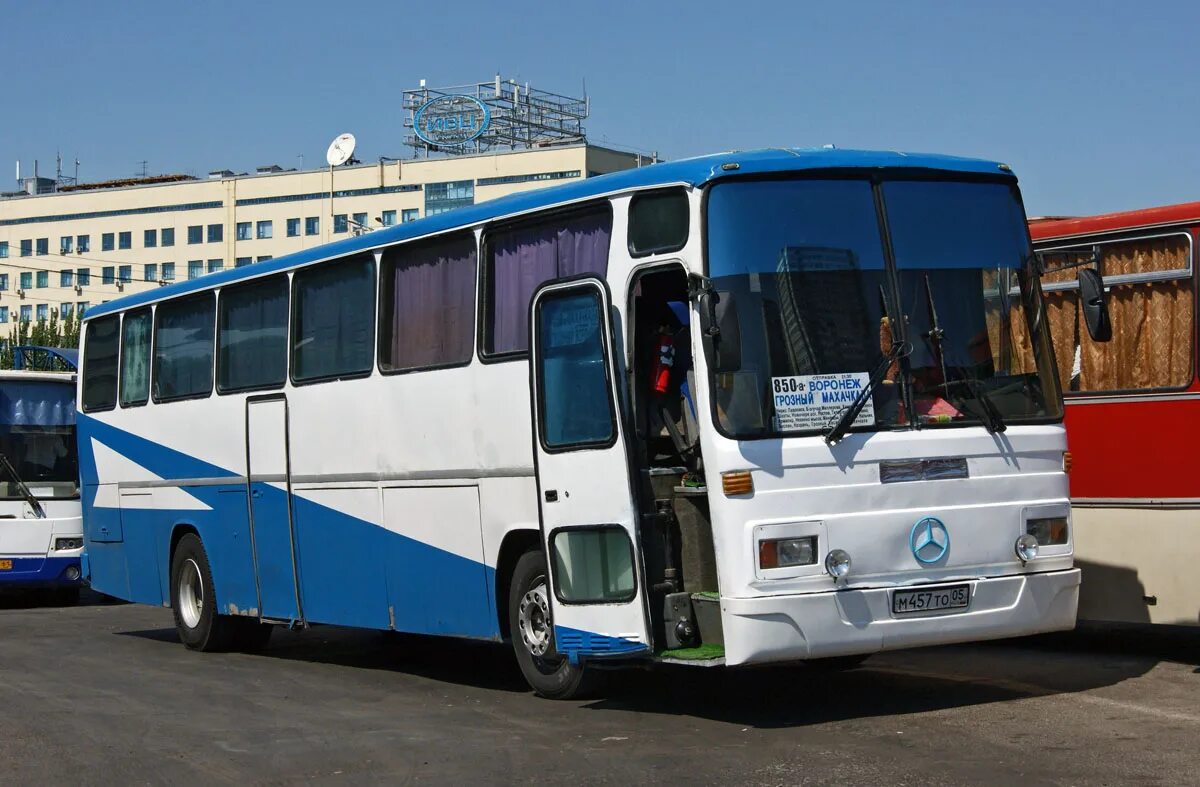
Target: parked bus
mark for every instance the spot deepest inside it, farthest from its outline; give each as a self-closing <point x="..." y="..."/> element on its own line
<point x="753" y="407"/>
<point x="1130" y="405"/>
<point x="41" y="530"/>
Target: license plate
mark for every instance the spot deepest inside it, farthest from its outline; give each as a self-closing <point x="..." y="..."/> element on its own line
<point x="5" y="565"/>
<point x="931" y="599"/>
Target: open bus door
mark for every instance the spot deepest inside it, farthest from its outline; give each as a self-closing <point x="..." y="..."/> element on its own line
<point x="589" y="513"/>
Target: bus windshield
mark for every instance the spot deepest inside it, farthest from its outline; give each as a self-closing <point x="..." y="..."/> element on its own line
<point x="37" y="434"/>
<point x="819" y="303"/>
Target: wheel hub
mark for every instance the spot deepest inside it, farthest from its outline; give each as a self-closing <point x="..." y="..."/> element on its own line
<point x="534" y="620"/>
<point x="191" y="594"/>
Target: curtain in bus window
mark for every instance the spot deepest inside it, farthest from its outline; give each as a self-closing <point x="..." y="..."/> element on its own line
<point x="430" y="292"/>
<point x="183" y="355"/>
<point x="524" y="258"/>
<point x="335" y="318"/>
<point x="135" y="358"/>
<point x="252" y="340"/>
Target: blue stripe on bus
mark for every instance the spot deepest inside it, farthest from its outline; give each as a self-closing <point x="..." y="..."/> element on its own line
<point x="574" y="643"/>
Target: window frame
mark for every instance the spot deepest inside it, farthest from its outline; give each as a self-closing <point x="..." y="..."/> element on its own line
<point x="204" y="294"/>
<point x="293" y="304"/>
<point x="287" y="348"/>
<point x="427" y="240"/>
<point x="482" y="300"/>
<point x="640" y="196"/>
<point x="121" y="358"/>
<point x="83" y="370"/>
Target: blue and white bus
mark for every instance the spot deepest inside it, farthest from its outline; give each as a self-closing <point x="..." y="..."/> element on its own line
<point x="41" y="530"/>
<point x="754" y="407"/>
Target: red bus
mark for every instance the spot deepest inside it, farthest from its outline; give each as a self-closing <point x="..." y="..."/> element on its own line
<point x="1133" y="408"/>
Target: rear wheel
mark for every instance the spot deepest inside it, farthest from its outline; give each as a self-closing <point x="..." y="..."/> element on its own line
<point x="194" y="601"/>
<point x="532" y="629"/>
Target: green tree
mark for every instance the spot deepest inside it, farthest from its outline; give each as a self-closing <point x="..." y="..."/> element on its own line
<point x="42" y="333"/>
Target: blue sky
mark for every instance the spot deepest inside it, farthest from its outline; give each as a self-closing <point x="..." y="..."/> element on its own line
<point x="1093" y="104"/>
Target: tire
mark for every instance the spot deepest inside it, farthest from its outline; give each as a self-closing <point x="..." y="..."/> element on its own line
<point x="837" y="663"/>
<point x="549" y="674"/>
<point x="194" y="602"/>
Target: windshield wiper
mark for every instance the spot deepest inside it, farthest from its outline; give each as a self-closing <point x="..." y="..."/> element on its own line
<point x="33" y="502"/>
<point x="848" y="416"/>
<point x="992" y="420"/>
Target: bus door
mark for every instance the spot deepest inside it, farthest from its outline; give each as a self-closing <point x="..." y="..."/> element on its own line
<point x="269" y="482"/>
<point x="585" y="492"/>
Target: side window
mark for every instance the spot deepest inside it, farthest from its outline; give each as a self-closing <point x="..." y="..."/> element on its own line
<point x="135" y="358"/>
<point x="334" y="319"/>
<point x="1149" y="284"/>
<point x="593" y="565"/>
<point x="575" y="406"/>
<point x="658" y="222"/>
<point x="427" y="304"/>
<point x="252" y="335"/>
<point x="183" y="348"/>
<point x="100" y="364"/>
<point x="522" y="257"/>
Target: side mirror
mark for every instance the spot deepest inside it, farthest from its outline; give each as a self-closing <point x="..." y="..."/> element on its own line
<point x="1094" y="305"/>
<point x="720" y="331"/>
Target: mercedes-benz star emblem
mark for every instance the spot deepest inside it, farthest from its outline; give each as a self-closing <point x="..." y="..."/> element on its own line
<point x="929" y="540"/>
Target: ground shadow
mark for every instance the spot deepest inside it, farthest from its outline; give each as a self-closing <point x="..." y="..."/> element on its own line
<point x="38" y="598"/>
<point x="1155" y="641"/>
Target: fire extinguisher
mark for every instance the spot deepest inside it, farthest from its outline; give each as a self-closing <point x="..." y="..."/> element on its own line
<point x="660" y="375"/>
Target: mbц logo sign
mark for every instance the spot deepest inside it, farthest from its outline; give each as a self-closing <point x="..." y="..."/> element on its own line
<point x="451" y="120"/>
<point x="929" y="540"/>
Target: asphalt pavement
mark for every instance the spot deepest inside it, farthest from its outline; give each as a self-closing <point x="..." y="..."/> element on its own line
<point x="103" y="693"/>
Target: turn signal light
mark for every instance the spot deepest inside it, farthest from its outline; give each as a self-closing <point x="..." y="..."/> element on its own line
<point x="737" y="482"/>
<point x="1067" y="461"/>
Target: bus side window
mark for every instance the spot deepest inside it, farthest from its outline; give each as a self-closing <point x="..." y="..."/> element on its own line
<point x="135" y="358"/>
<point x="333" y="332"/>
<point x="100" y="364"/>
<point x="183" y="348"/>
<point x="252" y="335"/>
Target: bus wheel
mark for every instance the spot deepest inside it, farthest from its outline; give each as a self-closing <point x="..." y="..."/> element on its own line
<point x="532" y="632"/>
<point x="193" y="600"/>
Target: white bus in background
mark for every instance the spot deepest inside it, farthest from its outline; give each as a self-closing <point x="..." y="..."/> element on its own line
<point x="753" y="407"/>
<point x="41" y="530"/>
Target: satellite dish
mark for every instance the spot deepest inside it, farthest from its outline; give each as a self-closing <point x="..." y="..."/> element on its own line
<point x="340" y="150"/>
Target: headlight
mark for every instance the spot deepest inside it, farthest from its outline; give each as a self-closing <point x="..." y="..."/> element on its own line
<point x="837" y="563"/>
<point x="786" y="552"/>
<point x="67" y="543"/>
<point x="1052" y="531"/>
<point x="1026" y="548"/>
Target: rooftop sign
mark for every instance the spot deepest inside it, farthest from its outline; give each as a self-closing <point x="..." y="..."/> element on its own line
<point x="450" y="121"/>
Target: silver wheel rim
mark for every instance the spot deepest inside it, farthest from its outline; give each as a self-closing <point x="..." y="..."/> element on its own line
<point x="191" y="594"/>
<point x="534" y="619"/>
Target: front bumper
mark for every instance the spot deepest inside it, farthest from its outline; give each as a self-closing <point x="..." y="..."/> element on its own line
<point x="30" y="572"/>
<point x="849" y="622"/>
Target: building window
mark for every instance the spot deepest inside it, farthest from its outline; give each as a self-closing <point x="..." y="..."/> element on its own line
<point x="150" y="272"/>
<point x="125" y="240"/>
<point x="81" y="307"/>
<point x="252" y="335"/>
<point x="264" y="258"/>
<point x="125" y="274"/>
<point x="150" y="238"/>
<point x="195" y="234"/>
<point x="243" y="230"/>
<point x="26" y="248"/>
<point x="339" y="224"/>
<point x="264" y="230"/>
<point x="242" y="262"/>
<point x="64" y="244"/>
<point x="183" y="348"/>
<point x="361" y="220"/>
<point x="43" y="246"/>
<point x="66" y="278"/>
<point x="216" y="233"/>
<point x="195" y="269"/>
<point x="43" y="279"/>
<point x="26" y="280"/>
<point x="108" y="241"/>
<point x="293" y="228"/>
<point x="83" y="243"/>
<point x="135" y="358"/>
<point x="3" y="314"/>
<point x="26" y="313"/>
<point x="3" y="282"/>
<point x="3" y="249"/>
<point x="83" y="276"/>
<point x="312" y="225"/>
<point x="168" y="236"/>
<point x="168" y="271"/>
<point x="388" y="217"/>
<point x="65" y="310"/>
<point x="333" y="334"/>
<point x="215" y="265"/>
<point x="441" y="197"/>
<point x="427" y="292"/>
<point x="43" y="312"/>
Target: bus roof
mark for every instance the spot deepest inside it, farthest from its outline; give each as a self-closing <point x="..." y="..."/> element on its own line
<point x="691" y="172"/>
<point x="1165" y="215"/>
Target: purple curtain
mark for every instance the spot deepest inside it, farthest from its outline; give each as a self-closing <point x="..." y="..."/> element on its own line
<point x="432" y="290"/>
<point x="524" y="258"/>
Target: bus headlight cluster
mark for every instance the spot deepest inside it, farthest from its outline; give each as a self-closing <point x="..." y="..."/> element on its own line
<point x="1026" y="547"/>
<point x="837" y="563"/>
<point x="786" y="552"/>
<point x="68" y="543"/>
<point x="1049" y="531"/>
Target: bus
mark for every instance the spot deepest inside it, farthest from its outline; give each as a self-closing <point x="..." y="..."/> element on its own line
<point x="1129" y="408"/>
<point x="764" y="406"/>
<point x="41" y="527"/>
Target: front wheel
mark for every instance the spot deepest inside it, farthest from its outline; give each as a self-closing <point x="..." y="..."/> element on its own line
<point x="194" y="601"/>
<point x="532" y="630"/>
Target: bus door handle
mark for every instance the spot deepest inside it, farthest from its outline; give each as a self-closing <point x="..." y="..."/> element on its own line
<point x="256" y="493"/>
